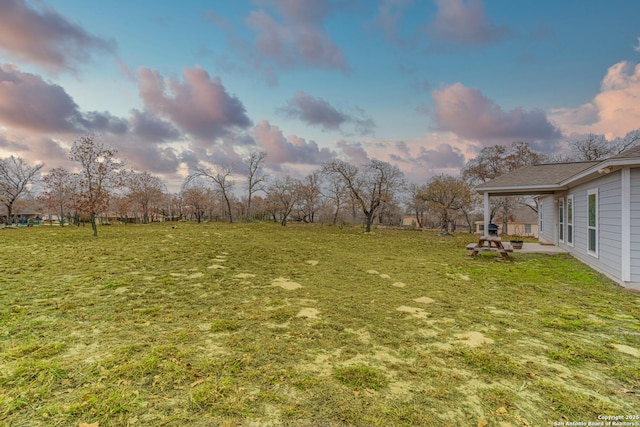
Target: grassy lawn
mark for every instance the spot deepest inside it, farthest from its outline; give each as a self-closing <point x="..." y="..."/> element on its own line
<point x="258" y="324"/>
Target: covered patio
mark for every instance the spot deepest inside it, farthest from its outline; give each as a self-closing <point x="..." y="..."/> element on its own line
<point x="534" y="180"/>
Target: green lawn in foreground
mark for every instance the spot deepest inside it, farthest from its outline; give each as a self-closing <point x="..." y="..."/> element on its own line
<point x="258" y="324"/>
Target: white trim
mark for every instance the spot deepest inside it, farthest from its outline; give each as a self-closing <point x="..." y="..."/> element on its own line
<point x="570" y="224"/>
<point x="561" y="220"/>
<point x="487" y="214"/>
<point x="541" y="218"/>
<point x="625" y="224"/>
<point x="593" y="191"/>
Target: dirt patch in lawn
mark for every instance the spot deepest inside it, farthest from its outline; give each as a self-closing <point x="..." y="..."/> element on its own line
<point x="473" y="339"/>
<point x="308" y="313"/>
<point x="285" y="283"/>
<point x="419" y="313"/>
<point x="626" y="349"/>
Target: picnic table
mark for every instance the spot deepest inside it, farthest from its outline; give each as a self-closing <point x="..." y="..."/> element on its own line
<point x="490" y="244"/>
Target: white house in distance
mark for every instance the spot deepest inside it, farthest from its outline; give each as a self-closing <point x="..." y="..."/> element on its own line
<point x="590" y="209"/>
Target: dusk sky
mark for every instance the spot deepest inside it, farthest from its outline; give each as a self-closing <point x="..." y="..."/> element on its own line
<point x="422" y="84"/>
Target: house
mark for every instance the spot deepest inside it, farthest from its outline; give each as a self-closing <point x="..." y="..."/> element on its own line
<point x="590" y="209"/>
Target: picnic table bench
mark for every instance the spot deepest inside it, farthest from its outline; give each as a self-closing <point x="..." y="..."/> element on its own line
<point x="490" y="244"/>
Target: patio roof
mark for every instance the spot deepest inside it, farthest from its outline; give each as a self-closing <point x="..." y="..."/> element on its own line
<point x="535" y="179"/>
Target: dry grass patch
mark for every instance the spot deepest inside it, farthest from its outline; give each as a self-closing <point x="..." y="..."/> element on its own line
<point x="257" y="324"/>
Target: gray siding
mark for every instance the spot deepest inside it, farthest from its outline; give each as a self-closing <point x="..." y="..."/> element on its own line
<point x="635" y="224"/>
<point x="609" y="224"/>
<point x="547" y="234"/>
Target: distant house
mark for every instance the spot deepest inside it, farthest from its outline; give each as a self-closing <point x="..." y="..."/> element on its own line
<point x="523" y="222"/>
<point x="591" y="209"/>
<point x="521" y="229"/>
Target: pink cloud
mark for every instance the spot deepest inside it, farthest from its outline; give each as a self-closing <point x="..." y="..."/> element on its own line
<point x="318" y="112"/>
<point x="469" y="114"/>
<point x="614" y="111"/>
<point x="149" y="127"/>
<point x="201" y="106"/>
<point x="34" y="149"/>
<point x="419" y="159"/>
<point x="465" y="23"/>
<point x="354" y="151"/>
<point x="30" y="103"/>
<point x="285" y="34"/>
<point x="45" y="37"/>
<point x="315" y="111"/>
<point x="299" y="39"/>
<point x="291" y="149"/>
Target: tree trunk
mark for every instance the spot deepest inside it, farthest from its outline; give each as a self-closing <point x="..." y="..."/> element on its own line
<point x="226" y="199"/>
<point x="94" y="226"/>
<point x="61" y="217"/>
<point x="368" y="221"/>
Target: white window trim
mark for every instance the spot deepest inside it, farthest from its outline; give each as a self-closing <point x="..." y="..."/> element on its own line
<point x="541" y="218"/>
<point x="590" y="252"/>
<point x="561" y="220"/>
<point x="570" y="234"/>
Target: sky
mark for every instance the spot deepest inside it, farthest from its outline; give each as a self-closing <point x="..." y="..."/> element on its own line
<point x="424" y="85"/>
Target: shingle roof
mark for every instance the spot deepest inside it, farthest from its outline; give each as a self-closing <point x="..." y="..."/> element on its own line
<point x="630" y="153"/>
<point x="546" y="177"/>
<point x="538" y="175"/>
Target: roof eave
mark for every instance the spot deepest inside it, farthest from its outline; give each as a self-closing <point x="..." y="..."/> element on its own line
<point x="521" y="190"/>
<point x="599" y="169"/>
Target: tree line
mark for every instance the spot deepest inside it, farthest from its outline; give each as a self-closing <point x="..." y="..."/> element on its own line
<point x="102" y="189"/>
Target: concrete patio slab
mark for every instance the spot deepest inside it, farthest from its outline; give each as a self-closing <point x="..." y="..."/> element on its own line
<point x="537" y="248"/>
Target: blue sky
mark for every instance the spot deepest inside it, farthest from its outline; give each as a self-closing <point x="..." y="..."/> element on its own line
<point x="422" y="84"/>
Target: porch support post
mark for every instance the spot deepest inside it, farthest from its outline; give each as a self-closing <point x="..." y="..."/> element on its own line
<point x="487" y="213"/>
<point x="625" y="224"/>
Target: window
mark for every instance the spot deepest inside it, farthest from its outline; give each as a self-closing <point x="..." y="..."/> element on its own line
<point x="561" y="220"/>
<point x="592" y="222"/>
<point x="570" y="220"/>
<point x="540" y="216"/>
<point x="527" y="229"/>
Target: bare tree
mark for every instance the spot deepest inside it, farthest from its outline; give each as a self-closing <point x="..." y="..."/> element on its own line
<point x="144" y="189"/>
<point x="58" y="191"/>
<point x="99" y="174"/>
<point x="498" y="160"/>
<point x="597" y="147"/>
<point x="282" y="195"/>
<point x="369" y="187"/>
<point x="196" y="198"/>
<point x="15" y="177"/>
<point x="337" y="192"/>
<point x="255" y="177"/>
<point x="630" y="140"/>
<point x="416" y="204"/>
<point x="221" y="177"/>
<point x="446" y="196"/>
<point x="593" y="147"/>
<point x="309" y="197"/>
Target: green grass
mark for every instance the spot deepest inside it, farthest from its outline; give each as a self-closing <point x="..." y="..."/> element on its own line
<point x="258" y="324"/>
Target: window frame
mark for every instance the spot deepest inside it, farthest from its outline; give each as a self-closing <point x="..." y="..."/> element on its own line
<point x="570" y="215"/>
<point x="561" y="222"/>
<point x="592" y="230"/>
